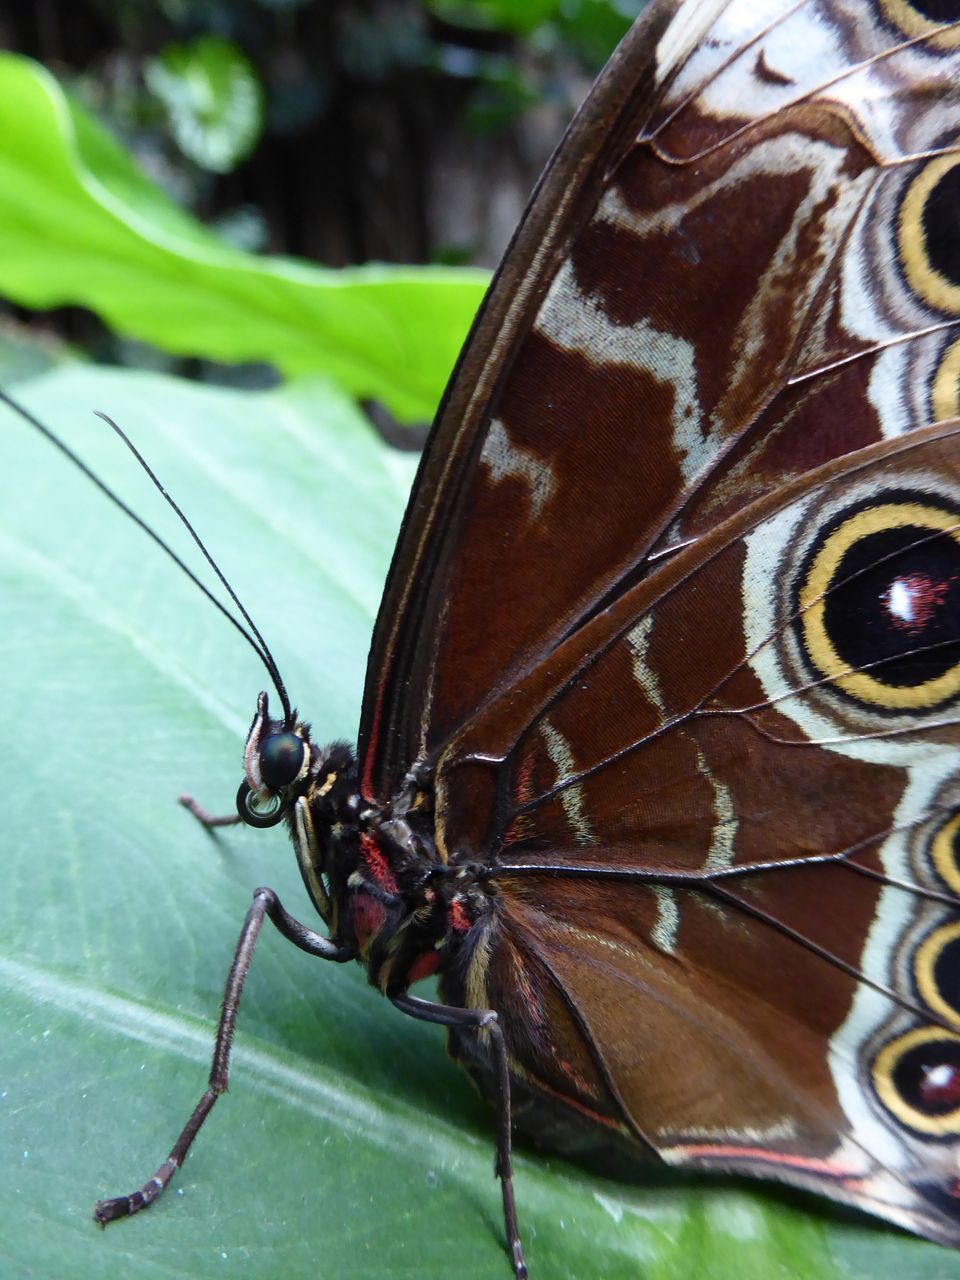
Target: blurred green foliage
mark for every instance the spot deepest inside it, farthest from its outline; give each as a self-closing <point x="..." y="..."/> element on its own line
<point x="589" y="28"/>
<point x="174" y="142"/>
<point x="212" y="98"/>
<point x="81" y="225"/>
<point x="194" y="87"/>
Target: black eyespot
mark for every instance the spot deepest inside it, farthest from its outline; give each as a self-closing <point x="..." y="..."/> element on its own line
<point x="945" y="852"/>
<point x="878" y="605"/>
<point x="257" y="810"/>
<point x="936" y="968"/>
<point x="945" y="389"/>
<point x="939" y="220"/>
<point x="895" y="605"/>
<point x="929" y="234"/>
<point x="917" y="1078"/>
<point x="937" y="11"/>
<point x="924" y="18"/>
<point x="281" y="759"/>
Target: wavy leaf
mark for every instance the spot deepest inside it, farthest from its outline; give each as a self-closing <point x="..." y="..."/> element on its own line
<point x="81" y="225"/>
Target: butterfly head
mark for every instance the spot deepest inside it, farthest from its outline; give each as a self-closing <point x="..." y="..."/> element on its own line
<point x="277" y="757"/>
<point x="287" y="777"/>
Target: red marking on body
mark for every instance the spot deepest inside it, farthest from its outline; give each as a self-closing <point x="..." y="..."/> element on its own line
<point x="460" y="922"/>
<point x="377" y="864"/>
<point x="426" y="964"/>
<point x="368" y="917"/>
<point x="912" y="601"/>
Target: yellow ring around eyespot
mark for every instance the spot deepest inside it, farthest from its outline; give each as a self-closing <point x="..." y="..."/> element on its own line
<point x="929" y="283"/>
<point x="812" y="601"/>
<point x="942" y="853"/>
<point x="914" y="23"/>
<point x="945" y="396"/>
<point x="884" y="1065"/>
<point x="924" y="971"/>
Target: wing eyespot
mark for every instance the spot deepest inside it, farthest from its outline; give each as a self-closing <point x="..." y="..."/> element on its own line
<point x="936" y="969"/>
<point x="924" y="18"/>
<point x="945" y="387"/>
<point x="927" y="234"/>
<point x="878" y="604"/>
<point x="945" y="853"/>
<point x="917" y="1078"/>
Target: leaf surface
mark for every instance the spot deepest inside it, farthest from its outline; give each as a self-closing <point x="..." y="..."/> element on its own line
<point x="349" y="1145"/>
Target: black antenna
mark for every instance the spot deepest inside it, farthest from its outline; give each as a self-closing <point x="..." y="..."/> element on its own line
<point x="253" y="637"/>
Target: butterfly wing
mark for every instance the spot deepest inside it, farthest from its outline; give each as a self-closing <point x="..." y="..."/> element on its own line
<point x="727" y="913"/>
<point x="672" y="618"/>
<point x="683" y="319"/>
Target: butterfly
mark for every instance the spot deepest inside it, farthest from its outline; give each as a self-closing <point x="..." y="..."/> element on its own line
<point x="658" y="764"/>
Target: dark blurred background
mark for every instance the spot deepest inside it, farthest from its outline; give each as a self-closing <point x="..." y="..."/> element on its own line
<point x="337" y="130"/>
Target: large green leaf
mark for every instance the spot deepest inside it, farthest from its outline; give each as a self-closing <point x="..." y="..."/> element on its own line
<point x="349" y="1145"/>
<point x="80" y="224"/>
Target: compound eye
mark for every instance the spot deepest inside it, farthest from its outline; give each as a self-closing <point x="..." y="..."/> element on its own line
<point x="281" y="759"/>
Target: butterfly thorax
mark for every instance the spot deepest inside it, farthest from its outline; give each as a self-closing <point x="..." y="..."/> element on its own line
<point x="373" y="872"/>
<point x="387" y="892"/>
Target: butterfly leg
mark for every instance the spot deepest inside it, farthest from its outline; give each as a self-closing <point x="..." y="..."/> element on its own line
<point x="265" y="903"/>
<point x="204" y="817"/>
<point x="486" y="1020"/>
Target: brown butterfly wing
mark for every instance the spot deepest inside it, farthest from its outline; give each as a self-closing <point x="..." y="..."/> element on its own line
<point x="720" y="815"/>
<point x="731" y="935"/>
<point x="678" y="325"/>
<point x="444" y="542"/>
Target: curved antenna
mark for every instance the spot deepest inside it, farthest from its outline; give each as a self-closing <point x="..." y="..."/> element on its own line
<point x="253" y="637"/>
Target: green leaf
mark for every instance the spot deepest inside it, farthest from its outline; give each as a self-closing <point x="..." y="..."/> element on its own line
<point x="349" y="1145"/>
<point x="213" y="100"/>
<point x="80" y="224"/>
<point x="503" y="15"/>
<point x="595" y="26"/>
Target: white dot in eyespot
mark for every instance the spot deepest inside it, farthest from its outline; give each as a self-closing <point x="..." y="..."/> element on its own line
<point x="900" y="601"/>
<point x="938" y="1077"/>
<point x="913" y="600"/>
